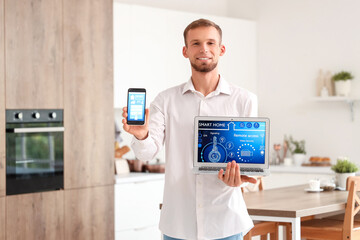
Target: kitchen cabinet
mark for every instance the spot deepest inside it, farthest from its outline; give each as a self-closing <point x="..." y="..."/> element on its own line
<point x="34" y="60"/>
<point x="137" y="212"/>
<point x="88" y="94"/>
<point x="2" y="105"/>
<point x="35" y="216"/>
<point x="89" y="213"/>
<point x="2" y="218"/>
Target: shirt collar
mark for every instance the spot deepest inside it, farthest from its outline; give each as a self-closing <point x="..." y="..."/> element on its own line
<point x="222" y="87"/>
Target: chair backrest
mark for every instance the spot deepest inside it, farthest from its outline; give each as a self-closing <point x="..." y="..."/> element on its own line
<point x="258" y="186"/>
<point x="352" y="206"/>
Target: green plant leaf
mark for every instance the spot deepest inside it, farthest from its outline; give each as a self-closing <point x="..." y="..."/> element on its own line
<point x="342" y="76"/>
<point x="344" y="166"/>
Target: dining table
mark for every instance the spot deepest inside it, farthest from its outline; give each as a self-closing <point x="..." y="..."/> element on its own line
<point x="290" y="204"/>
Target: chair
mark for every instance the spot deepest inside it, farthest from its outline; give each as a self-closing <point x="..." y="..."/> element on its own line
<point x="328" y="228"/>
<point x="288" y="229"/>
<point x="341" y="216"/>
<point x="261" y="228"/>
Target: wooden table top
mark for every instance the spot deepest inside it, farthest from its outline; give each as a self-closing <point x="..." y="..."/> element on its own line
<point x="294" y="202"/>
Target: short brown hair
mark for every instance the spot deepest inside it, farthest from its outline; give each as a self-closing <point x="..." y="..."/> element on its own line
<point x="201" y="23"/>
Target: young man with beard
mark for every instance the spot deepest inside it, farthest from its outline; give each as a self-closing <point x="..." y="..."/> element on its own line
<point x="196" y="206"/>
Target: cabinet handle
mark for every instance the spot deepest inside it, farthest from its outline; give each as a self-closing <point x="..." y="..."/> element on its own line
<point x="140" y="229"/>
<point x="35" y="130"/>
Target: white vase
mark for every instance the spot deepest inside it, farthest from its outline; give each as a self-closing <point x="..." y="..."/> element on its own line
<point x="299" y="158"/>
<point x="341" y="179"/>
<point x="342" y="88"/>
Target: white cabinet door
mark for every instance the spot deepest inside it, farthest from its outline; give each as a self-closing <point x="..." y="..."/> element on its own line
<point x="137" y="205"/>
<point x="151" y="233"/>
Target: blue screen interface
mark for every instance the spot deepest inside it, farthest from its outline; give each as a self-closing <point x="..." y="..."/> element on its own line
<point x="136" y="106"/>
<point x="225" y="141"/>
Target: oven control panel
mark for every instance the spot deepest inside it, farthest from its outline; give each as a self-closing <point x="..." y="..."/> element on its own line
<point x="33" y="115"/>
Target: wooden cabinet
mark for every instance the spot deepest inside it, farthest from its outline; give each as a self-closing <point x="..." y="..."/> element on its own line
<point x="34" y="62"/>
<point x="2" y="105"/>
<point x="59" y="54"/>
<point x="35" y="216"/>
<point x="89" y="213"/>
<point x="88" y="93"/>
<point x="2" y="218"/>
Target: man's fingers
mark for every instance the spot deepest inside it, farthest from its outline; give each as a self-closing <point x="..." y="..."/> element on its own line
<point x="124" y="121"/>
<point x="248" y="179"/>
<point x="126" y="127"/>
<point x="227" y="172"/>
<point x="232" y="173"/>
<point x="237" y="176"/>
<point x="124" y="114"/>
<point x="221" y="174"/>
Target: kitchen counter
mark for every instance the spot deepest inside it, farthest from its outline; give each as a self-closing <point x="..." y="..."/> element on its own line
<point x="300" y="169"/>
<point x="135" y="177"/>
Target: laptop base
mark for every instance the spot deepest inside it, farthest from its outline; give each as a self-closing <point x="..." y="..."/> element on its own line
<point x="243" y="171"/>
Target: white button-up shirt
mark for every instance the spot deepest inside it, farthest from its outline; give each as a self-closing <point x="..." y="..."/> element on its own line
<point x="195" y="206"/>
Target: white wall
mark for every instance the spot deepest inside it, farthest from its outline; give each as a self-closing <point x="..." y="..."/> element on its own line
<point x="148" y="46"/>
<point x="212" y="7"/>
<point x="295" y="40"/>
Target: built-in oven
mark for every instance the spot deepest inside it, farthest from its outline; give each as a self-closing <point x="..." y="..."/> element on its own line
<point x="34" y="150"/>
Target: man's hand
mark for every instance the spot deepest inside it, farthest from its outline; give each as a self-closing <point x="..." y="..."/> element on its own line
<point x="232" y="176"/>
<point x="139" y="131"/>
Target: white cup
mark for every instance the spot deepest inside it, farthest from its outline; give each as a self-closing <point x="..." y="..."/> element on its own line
<point x="288" y="162"/>
<point x="314" y="184"/>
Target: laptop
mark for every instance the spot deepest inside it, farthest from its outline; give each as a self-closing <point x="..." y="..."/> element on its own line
<point x="219" y="140"/>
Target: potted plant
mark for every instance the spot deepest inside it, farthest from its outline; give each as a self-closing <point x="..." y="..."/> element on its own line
<point x="344" y="169"/>
<point x="297" y="149"/>
<point x="342" y="82"/>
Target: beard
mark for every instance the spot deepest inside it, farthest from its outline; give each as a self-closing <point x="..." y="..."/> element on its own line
<point x="204" y="67"/>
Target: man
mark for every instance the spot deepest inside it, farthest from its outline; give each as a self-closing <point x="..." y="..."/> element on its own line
<point x="196" y="206"/>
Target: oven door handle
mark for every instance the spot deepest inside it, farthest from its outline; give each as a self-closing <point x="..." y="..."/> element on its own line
<point x="36" y="130"/>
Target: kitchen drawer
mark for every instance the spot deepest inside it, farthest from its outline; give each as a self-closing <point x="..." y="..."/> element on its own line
<point x="137" y="204"/>
<point x="149" y="233"/>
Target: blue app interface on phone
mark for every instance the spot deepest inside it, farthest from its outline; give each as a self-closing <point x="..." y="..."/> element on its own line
<point x="224" y="141"/>
<point x="136" y="106"/>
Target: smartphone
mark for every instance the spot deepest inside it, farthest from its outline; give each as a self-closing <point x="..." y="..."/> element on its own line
<point x="136" y="102"/>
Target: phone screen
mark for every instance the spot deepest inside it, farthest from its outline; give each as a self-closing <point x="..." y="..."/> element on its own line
<point x="136" y="106"/>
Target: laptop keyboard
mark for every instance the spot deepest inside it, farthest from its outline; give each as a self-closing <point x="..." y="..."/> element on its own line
<point x="212" y="169"/>
<point x="259" y="170"/>
<point x="255" y="170"/>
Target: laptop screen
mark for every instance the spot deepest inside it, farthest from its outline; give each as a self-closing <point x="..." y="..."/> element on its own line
<point x="224" y="141"/>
